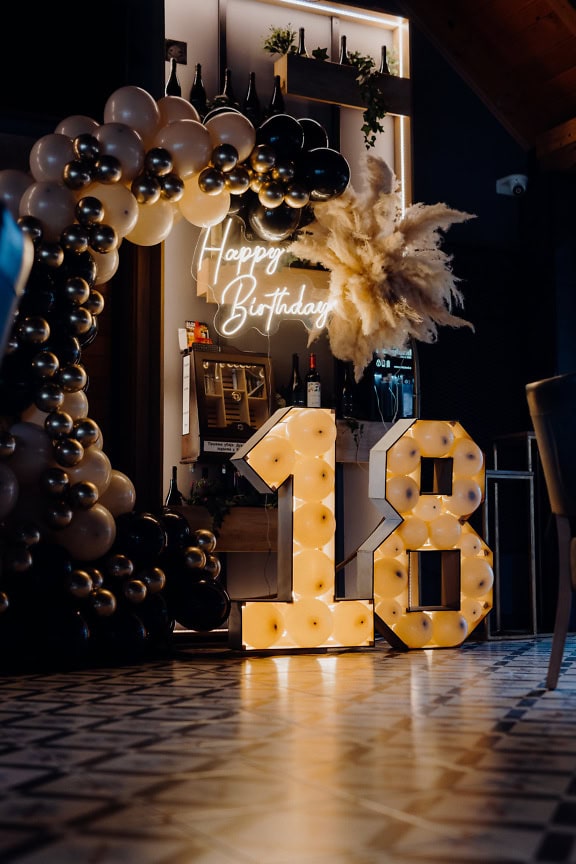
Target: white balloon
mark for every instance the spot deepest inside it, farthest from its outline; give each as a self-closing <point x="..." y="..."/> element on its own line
<point x="135" y="107"/>
<point x="120" y="496"/>
<point x="154" y="223"/>
<point x="13" y="184"/>
<point x="120" y="205"/>
<point x="32" y="453"/>
<point x="119" y="140"/>
<point x="106" y="265"/>
<point x="189" y="144"/>
<point x="176" y="108"/>
<point x="75" y="125"/>
<point x="89" y="535"/>
<point x="49" y="155"/>
<point x="94" y="467"/>
<point x="201" y="209"/>
<point x="233" y="128"/>
<point x="52" y="203"/>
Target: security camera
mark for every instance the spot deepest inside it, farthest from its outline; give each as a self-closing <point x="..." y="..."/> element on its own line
<point x="514" y="184"/>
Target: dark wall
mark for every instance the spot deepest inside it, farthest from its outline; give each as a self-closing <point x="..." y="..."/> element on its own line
<point x="505" y="258"/>
<point x="58" y="59"/>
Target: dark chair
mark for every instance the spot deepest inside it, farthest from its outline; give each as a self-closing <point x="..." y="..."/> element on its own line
<point x="552" y="406"/>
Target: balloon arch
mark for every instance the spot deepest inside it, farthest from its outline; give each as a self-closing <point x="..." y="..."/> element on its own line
<point x="84" y="575"/>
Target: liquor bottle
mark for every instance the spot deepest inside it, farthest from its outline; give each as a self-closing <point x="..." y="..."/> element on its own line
<point x="174" y="496"/>
<point x="296" y="392"/>
<point x="344" y="60"/>
<point x="227" y="98"/>
<point x="173" y="84"/>
<point x="347" y="395"/>
<point x="251" y="105"/>
<point x="384" y="70"/>
<point x="301" y="50"/>
<point x="276" y="104"/>
<point x="313" y="384"/>
<point x="198" y="92"/>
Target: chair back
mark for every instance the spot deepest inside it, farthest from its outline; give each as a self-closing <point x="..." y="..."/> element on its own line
<point x="552" y="407"/>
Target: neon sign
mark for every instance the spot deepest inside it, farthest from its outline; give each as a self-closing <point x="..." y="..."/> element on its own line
<point x="253" y="284"/>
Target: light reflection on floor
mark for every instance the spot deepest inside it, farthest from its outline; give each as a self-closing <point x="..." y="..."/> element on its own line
<point x="359" y="757"/>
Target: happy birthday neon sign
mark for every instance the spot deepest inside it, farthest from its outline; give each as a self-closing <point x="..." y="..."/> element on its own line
<point x="253" y="287"/>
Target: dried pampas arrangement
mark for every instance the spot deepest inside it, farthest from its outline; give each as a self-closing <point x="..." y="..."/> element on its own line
<point x="389" y="280"/>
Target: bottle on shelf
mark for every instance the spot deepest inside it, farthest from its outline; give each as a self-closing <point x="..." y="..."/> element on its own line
<point x="173" y="87"/>
<point x="227" y="98"/>
<point x="344" y="60"/>
<point x="347" y="394"/>
<point x="313" y="384"/>
<point x="296" y="391"/>
<point x="383" y="70"/>
<point x="174" y="496"/>
<point x="301" y="50"/>
<point x="251" y="105"/>
<point x="276" y="104"/>
<point x="198" y="92"/>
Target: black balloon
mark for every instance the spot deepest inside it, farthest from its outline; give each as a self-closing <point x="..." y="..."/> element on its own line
<point x="139" y="536"/>
<point x="326" y="173"/>
<point x="284" y="134"/>
<point x="315" y="134"/>
<point x="275" y="223"/>
<point x="177" y="529"/>
<point x="198" y="604"/>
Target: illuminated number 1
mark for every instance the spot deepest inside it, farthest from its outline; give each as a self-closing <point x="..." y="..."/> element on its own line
<point x="294" y="453"/>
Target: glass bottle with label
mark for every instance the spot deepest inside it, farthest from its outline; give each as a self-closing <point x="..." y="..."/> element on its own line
<point x="313" y="384"/>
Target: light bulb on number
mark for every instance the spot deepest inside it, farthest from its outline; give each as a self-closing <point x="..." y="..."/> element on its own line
<point x="434" y="437"/>
<point x="273" y="459"/>
<point x="309" y="622"/>
<point x="390" y="577"/>
<point x="403" y="457"/>
<point x="314" y="479"/>
<point x="402" y="492"/>
<point x="476" y="577"/>
<point x="444" y="531"/>
<point x="312" y="431"/>
<point x="314" y="525"/>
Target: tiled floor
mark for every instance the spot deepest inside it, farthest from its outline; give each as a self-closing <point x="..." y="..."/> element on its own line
<point x="360" y="757"/>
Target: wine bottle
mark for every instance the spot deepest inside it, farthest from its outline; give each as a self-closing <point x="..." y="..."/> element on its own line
<point x="174" y="496"/>
<point x="344" y="60"/>
<point x="251" y="104"/>
<point x="173" y="87"/>
<point x="227" y="98"/>
<point x="296" y="392"/>
<point x="276" y="104"/>
<point x="384" y="70"/>
<point x="301" y="50"/>
<point x="347" y="395"/>
<point x="313" y="384"/>
<point x="198" y="92"/>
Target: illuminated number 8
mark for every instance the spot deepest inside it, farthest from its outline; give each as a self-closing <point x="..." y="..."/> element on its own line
<point x="420" y="521"/>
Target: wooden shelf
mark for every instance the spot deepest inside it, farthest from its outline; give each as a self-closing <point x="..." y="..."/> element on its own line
<point x="323" y="81"/>
<point x="244" y="529"/>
